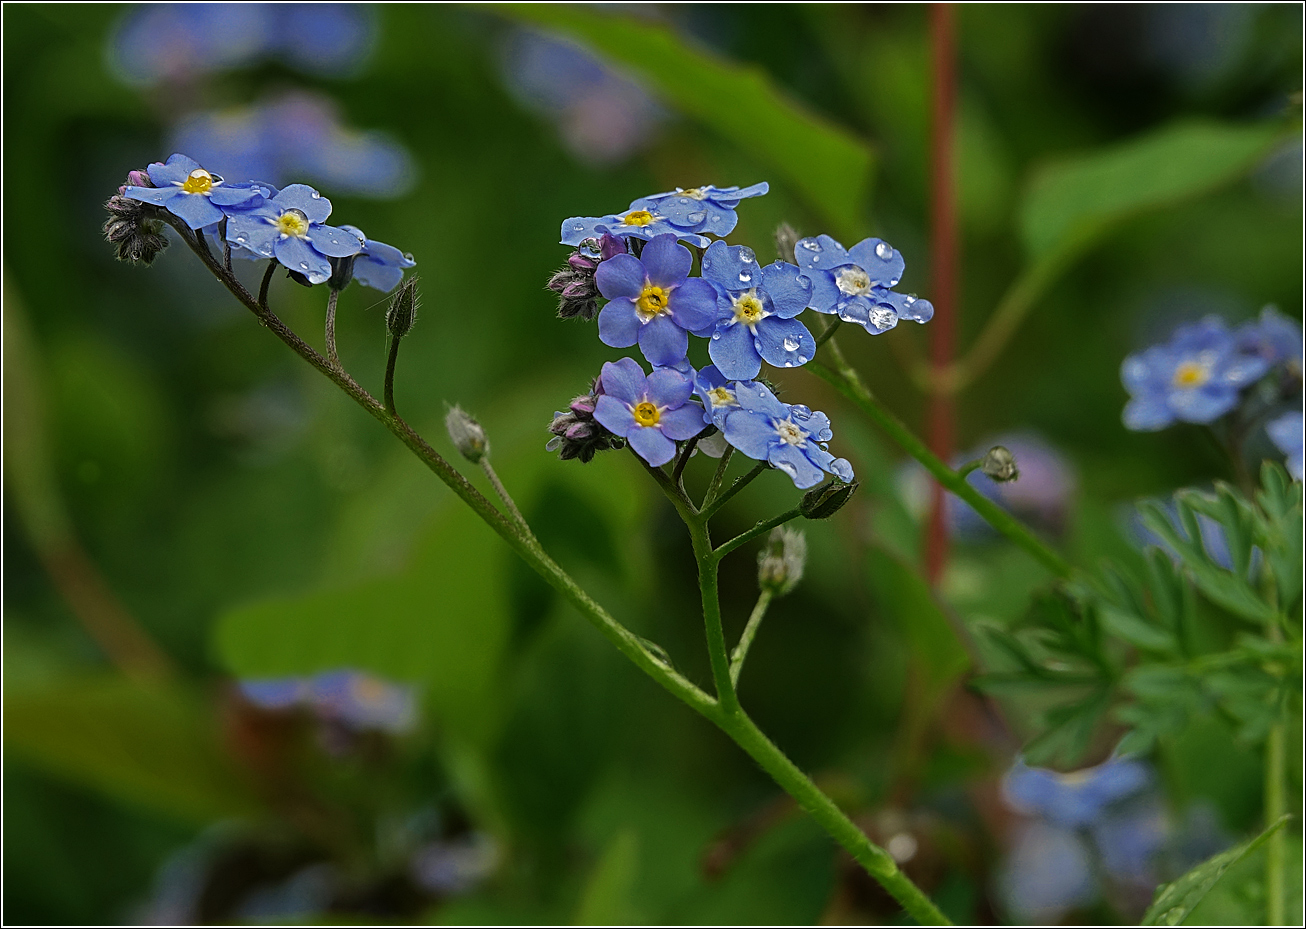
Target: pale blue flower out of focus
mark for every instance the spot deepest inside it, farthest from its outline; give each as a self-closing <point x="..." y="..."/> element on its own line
<point x="1274" y="338"/>
<point x="756" y="310"/>
<point x="1048" y="871"/>
<point x="650" y="412"/>
<point x="707" y="209"/>
<point x="1074" y="799"/>
<point x="1214" y="542"/>
<point x="790" y="438"/>
<point x="378" y="265"/>
<point x="194" y="194"/>
<point x="855" y="284"/>
<point x="291" y="227"/>
<point x="357" y="700"/>
<point x="1285" y="432"/>
<point x="1195" y="377"/>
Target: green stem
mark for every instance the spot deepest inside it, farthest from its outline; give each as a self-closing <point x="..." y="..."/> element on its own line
<point x="1275" y="849"/>
<point x="734" y="722"/>
<point x="754" y="620"/>
<point x="846" y="380"/>
<point x="969" y="467"/>
<point x="714" y="487"/>
<point x="332" y="298"/>
<point x="748" y="535"/>
<point x="390" y="361"/>
<point x="505" y="496"/>
<point x="716" y="637"/>
<point x="740" y="483"/>
<point x="828" y="331"/>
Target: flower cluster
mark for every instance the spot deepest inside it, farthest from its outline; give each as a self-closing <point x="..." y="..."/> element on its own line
<point x="639" y="263"/>
<point x="356" y="700"/>
<point x="257" y="220"/>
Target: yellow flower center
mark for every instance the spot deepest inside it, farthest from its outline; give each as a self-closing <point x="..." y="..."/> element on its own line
<point x="199" y="182"/>
<point x="293" y="223"/>
<point x="638" y="218"/>
<point x="1191" y="374"/>
<point x="368" y="690"/>
<point x="646" y="414"/>
<point x="722" y="396"/>
<point x="698" y="193"/>
<point x="790" y="433"/>
<point x="748" y="308"/>
<point x="651" y="301"/>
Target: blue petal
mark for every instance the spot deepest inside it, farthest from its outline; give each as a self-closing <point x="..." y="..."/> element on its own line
<point x="666" y="261"/>
<point x="756" y="398"/>
<point x="662" y="341"/>
<point x="820" y="253"/>
<point x="786" y="343"/>
<point x="733" y="352"/>
<point x="620" y="276"/>
<point x="305" y="199"/>
<point x="693" y="304"/>
<point x="880" y="318"/>
<point x="734" y="267"/>
<point x="854" y="310"/>
<point x="735" y="194"/>
<point x="254" y="232"/>
<point x="579" y="228"/>
<point x="177" y="169"/>
<point x="682" y="423"/>
<point x="880" y="260"/>
<point x="791" y="461"/>
<point x="159" y="196"/>
<point x="195" y="209"/>
<point x="1203" y="404"/>
<point x="623" y="379"/>
<point x="236" y="195"/>
<point x="667" y="387"/>
<point x="297" y="255"/>
<point x="334" y="242"/>
<point x="789" y="288"/>
<point x="751" y="433"/>
<point x="907" y="306"/>
<point x="614" y="415"/>
<point x="1147" y="370"/>
<point x="618" y="323"/>
<point x="1147" y="413"/>
<point x="372" y="273"/>
<point x="814" y="423"/>
<point x="842" y="469"/>
<point x="825" y="292"/>
<point x="651" y="445"/>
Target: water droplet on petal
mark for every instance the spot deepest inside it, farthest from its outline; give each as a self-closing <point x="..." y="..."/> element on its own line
<point x="811" y="245"/>
<point x="240" y="238"/>
<point x="757" y="344"/>
<point x="883" y="319"/>
<point x="884" y="250"/>
<point x="815" y="259"/>
<point x="716" y="335"/>
<point x="304" y="265"/>
<point x="713" y="220"/>
<point x="908" y="300"/>
<point x="696" y="217"/>
<point x="579" y="227"/>
<point x="893" y="282"/>
<point x="791" y="344"/>
<point x="316" y="195"/>
<point x="747" y="256"/>
<point x="789" y="364"/>
<point x="802" y="359"/>
<point x="745" y="276"/>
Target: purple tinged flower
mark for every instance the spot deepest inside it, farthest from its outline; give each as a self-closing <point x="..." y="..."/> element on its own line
<point x="855" y="283"/>
<point x="1286" y="433"/>
<point x="651" y="412"/>
<point x="1075" y="799"/>
<point x="1194" y="378"/>
<point x="643" y="220"/>
<point x="1128" y="839"/>
<point x="291" y="228"/>
<point x="652" y="301"/>
<point x="790" y="437"/>
<point x="706" y="209"/>
<point x="197" y="196"/>
<point x="377" y="265"/>
<point x="755" y="312"/>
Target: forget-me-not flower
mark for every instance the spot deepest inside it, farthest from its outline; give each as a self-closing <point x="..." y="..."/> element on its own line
<point x="790" y="437"/>
<point x="1075" y="799"/>
<point x="651" y="412"/>
<point x="1286" y="433"/>
<point x="358" y="700"/>
<point x="855" y="284"/>
<point x="653" y="301"/>
<point x="1274" y="338"/>
<point x="377" y="265"/>
<point x="291" y="228"/>
<point x="706" y="209"/>
<point x="643" y="220"/>
<point x="718" y="394"/>
<point x="756" y="310"/>
<point x="1193" y="378"/>
<point x="195" y="195"/>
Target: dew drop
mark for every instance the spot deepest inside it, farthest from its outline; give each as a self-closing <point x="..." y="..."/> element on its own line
<point x="713" y="220"/>
<point x="757" y="344"/>
<point x="579" y="227"/>
<point x="240" y="238"/>
<point x="696" y="217"/>
<point x="746" y="256"/>
<point x="884" y="250"/>
<point x="791" y="344"/>
<point x="908" y="300"/>
<point x="811" y="245"/>
<point x="715" y="336"/>
<point x="815" y="259"/>
<point x="745" y="276"/>
<point x="802" y="359"/>
<point x="883" y="319"/>
<point x="316" y="195"/>
<point x="789" y="364"/>
<point x="304" y="265"/>
<point x="893" y="282"/>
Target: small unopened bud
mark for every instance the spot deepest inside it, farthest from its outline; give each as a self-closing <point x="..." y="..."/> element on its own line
<point x="342" y="272"/>
<point x="786" y="240"/>
<point x="1000" y="464"/>
<point x="467" y="435"/>
<point x="780" y="565"/>
<point x="824" y="501"/>
<point x="403" y="308"/>
<point x="133" y="227"/>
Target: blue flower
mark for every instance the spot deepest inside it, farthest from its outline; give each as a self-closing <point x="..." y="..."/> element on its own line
<point x="718" y="394"/>
<point x="1286" y="433"/>
<point x="195" y="195"/>
<point x="643" y="220"/>
<point x="706" y="209"/>
<point x="855" y="283"/>
<point x="291" y="228"/>
<point x="280" y="693"/>
<point x="756" y="310"/>
<point x="1273" y="338"/>
<point x="1048" y="871"/>
<point x="377" y="265"/>
<point x="1075" y="799"/>
<point x="652" y="302"/>
<point x="790" y="437"/>
<point x="1128" y="839"/>
<point x="651" y="413"/>
<point x="362" y="701"/>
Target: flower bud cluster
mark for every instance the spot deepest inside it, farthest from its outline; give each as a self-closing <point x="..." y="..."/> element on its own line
<point x="578" y="294"/>
<point x="576" y="433"/>
<point x="131" y="226"/>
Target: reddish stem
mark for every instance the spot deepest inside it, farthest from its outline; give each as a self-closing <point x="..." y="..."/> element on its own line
<point x="944" y="248"/>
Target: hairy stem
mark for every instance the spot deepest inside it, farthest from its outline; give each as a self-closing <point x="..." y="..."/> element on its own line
<point x="390" y="362"/>
<point x="714" y="487"/>
<point x="332" y="298"/>
<point x="746" y="639"/>
<point x="739" y="484"/>
<point x="505" y="496"/>
<point x="845" y="379"/>
<point x="716" y="637"/>
<point x="828" y="331"/>
<point x="748" y="535"/>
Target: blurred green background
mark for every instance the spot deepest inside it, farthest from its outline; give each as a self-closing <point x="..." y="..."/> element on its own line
<point x="250" y="521"/>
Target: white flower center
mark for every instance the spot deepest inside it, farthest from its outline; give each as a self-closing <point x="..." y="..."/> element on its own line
<point x="853" y="281"/>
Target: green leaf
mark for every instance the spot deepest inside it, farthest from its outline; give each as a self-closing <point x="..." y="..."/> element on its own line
<point x="605" y="900"/>
<point x="154" y="746"/>
<point x="1137" y="631"/>
<point x="1073" y="202"/>
<point x="828" y="166"/>
<point x="443" y="623"/>
<point x="1173" y="902"/>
